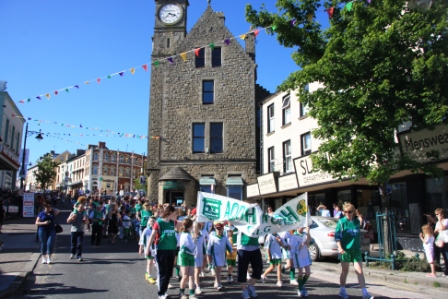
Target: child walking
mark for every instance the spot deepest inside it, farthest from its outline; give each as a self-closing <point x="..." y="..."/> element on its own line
<point x="199" y="255"/>
<point x="274" y="244"/>
<point x="143" y="242"/>
<point x="186" y="259"/>
<point x="231" y="256"/>
<point x="302" y="260"/>
<point x="126" y="223"/>
<point x="216" y="251"/>
<point x="427" y="238"/>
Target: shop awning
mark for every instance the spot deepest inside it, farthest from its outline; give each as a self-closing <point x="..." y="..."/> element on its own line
<point x="207" y="181"/>
<point x="234" y="181"/>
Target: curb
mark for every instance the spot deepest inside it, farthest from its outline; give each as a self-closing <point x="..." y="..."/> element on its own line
<point x="16" y="287"/>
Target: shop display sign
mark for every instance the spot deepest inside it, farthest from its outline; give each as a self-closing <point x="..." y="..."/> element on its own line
<point x="28" y="205"/>
<point x="287" y="182"/>
<point x="266" y="184"/>
<point x="252" y="190"/>
<point x="306" y="176"/>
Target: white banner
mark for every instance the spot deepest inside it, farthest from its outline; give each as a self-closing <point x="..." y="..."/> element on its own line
<point x="249" y="218"/>
<point x="28" y="205"/>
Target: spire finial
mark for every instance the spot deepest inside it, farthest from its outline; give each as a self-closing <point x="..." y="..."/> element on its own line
<point x="209" y="1"/>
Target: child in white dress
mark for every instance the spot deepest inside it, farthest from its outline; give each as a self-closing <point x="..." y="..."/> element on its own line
<point x="427" y="238"/>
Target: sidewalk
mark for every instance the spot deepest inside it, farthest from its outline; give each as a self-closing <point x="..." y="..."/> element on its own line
<point x="21" y="254"/>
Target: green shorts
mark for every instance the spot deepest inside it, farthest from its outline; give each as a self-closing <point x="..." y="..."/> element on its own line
<point x="231" y="263"/>
<point x="149" y="257"/>
<point x="351" y="256"/>
<point x="186" y="260"/>
<point x="275" y="261"/>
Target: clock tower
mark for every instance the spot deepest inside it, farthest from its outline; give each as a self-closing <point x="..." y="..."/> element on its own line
<point x="170" y="27"/>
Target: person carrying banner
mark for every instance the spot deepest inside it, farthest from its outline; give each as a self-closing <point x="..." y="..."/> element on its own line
<point x="274" y="246"/>
<point x="287" y="253"/>
<point x="216" y="252"/>
<point x="248" y="251"/>
<point x="301" y="259"/>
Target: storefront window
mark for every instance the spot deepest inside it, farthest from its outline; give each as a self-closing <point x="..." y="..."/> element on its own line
<point x="398" y="202"/>
<point x="436" y="194"/>
<point x="314" y="200"/>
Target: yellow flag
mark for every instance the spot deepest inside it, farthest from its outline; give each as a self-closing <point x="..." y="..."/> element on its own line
<point x="310" y="17"/>
<point x="132" y="71"/>
<point x="184" y="56"/>
<point x="48" y="96"/>
<point x="243" y="36"/>
<point x="87" y="82"/>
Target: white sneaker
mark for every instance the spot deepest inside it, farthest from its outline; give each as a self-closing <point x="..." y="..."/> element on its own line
<point x="44" y="260"/>
<point x="248" y="276"/>
<point x="279" y="283"/>
<point x="170" y="286"/>
<point x="229" y="279"/>
<point x="343" y="295"/>
<point x="202" y="274"/>
<point x="213" y="272"/>
<point x="293" y="282"/>
<point x="220" y="287"/>
<point x="49" y="261"/>
<point x="198" y="291"/>
<point x="299" y="293"/>
<point x="72" y="256"/>
<point x="367" y="296"/>
<point x="183" y="296"/>
<point x="263" y="279"/>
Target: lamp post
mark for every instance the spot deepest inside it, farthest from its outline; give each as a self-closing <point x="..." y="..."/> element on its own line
<point x="39" y="137"/>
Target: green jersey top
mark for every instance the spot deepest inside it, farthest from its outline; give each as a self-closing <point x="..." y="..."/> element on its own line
<point x="138" y="208"/>
<point x="166" y="236"/>
<point x="249" y="241"/>
<point x="348" y="233"/>
<point x="144" y="216"/>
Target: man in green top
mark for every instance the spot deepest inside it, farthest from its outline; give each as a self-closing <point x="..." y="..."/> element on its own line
<point x="348" y="238"/>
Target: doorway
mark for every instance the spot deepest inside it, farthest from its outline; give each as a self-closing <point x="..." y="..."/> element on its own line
<point x="176" y="197"/>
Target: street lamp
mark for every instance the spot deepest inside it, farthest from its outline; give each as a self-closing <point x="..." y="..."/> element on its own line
<point x="39" y="137"/>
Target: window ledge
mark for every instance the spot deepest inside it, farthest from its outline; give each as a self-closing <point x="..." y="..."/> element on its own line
<point x="303" y="117"/>
<point x="270" y="133"/>
<point x="286" y="125"/>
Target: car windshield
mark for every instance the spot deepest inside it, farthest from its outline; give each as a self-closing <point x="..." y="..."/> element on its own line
<point x="328" y="222"/>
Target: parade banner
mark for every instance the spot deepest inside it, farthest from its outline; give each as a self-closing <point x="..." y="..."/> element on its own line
<point x="28" y="205"/>
<point x="249" y="218"/>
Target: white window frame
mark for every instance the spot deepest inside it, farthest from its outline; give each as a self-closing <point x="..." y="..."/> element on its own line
<point x="271" y="159"/>
<point x="306" y="143"/>
<point x="286" y="110"/>
<point x="287" y="156"/>
<point x="271" y="118"/>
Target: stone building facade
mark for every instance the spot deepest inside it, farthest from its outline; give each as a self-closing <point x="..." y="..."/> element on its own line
<point x="203" y="124"/>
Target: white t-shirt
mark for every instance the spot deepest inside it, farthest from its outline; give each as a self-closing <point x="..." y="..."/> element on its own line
<point x="187" y="244"/>
<point x="217" y="247"/>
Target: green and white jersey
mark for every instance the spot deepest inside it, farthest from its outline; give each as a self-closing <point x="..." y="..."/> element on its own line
<point x="144" y="216"/>
<point x="187" y="244"/>
<point x="348" y="232"/>
<point x="271" y="243"/>
<point x="146" y="234"/>
<point x="216" y="247"/>
<point x="166" y="236"/>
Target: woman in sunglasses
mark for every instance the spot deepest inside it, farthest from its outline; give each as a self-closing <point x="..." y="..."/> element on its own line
<point x="47" y="231"/>
<point x="442" y="225"/>
<point x="348" y="239"/>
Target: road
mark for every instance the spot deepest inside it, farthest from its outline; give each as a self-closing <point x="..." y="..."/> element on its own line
<point x="118" y="272"/>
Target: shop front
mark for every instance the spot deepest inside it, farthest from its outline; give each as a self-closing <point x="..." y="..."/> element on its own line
<point x="176" y="186"/>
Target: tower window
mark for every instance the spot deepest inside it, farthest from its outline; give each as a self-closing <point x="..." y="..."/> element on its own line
<point x="198" y="138"/>
<point x="168" y="42"/>
<point x="208" y="91"/>
<point x="200" y="58"/>
<point x="216" y="138"/>
<point x="216" y="57"/>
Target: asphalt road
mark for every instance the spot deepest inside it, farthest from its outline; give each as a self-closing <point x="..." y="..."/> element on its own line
<point x="118" y="272"/>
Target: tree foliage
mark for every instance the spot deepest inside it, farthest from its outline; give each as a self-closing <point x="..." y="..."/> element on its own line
<point x="380" y="66"/>
<point x="45" y="173"/>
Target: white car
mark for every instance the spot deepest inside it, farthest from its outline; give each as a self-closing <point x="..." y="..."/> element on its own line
<point x="322" y="231"/>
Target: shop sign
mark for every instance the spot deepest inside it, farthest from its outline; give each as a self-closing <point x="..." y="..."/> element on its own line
<point x="417" y="144"/>
<point x="252" y="190"/>
<point x="306" y="176"/>
<point x="287" y="182"/>
<point x="28" y="205"/>
<point x="266" y="184"/>
<point x="173" y="186"/>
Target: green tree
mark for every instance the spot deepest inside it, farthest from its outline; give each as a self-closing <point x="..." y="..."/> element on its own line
<point x="45" y="173"/>
<point x="381" y="66"/>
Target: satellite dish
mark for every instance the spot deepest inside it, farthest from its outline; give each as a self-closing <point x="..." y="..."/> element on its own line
<point x="420" y="4"/>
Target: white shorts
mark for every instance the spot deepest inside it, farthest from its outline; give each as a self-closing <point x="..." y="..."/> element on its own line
<point x="429" y="256"/>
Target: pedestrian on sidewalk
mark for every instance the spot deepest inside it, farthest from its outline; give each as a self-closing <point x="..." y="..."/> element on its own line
<point x="78" y="218"/>
<point x="348" y="239"/>
<point x="249" y="253"/>
<point x="2" y="215"/>
<point x="112" y="228"/>
<point x="442" y="225"/>
<point x="427" y="237"/>
<point x="47" y="231"/>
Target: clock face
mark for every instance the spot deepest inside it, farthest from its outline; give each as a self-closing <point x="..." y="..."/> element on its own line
<point x="170" y="14"/>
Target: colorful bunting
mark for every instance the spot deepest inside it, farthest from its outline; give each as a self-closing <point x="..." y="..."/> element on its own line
<point x="22" y="102"/>
<point x="349" y="6"/>
<point x="121" y="74"/>
<point x="243" y="36"/>
<point x="56" y="92"/>
<point x="87" y="82"/>
<point x="66" y="90"/>
<point x="184" y="56"/>
<point x="77" y="86"/>
<point x="330" y="12"/>
<point x="197" y="51"/>
<point x="48" y="96"/>
<point x="145" y="67"/>
<point x="98" y="80"/>
<point x="170" y="60"/>
<point x="291" y="24"/>
<point x="310" y="17"/>
<point x="132" y="70"/>
<point x="212" y="46"/>
<point x="274" y="27"/>
<point x="227" y="41"/>
<point x="156" y="63"/>
<point x="256" y="32"/>
<point x="38" y="98"/>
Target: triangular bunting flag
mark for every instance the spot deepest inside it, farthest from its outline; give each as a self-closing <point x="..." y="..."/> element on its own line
<point x="56" y="92"/>
<point x="291" y="24"/>
<point x="121" y="74"/>
<point x="98" y="80"/>
<point x="256" y="32"/>
<point x="243" y="36"/>
<point x="66" y="90"/>
<point x="48" y="96"/>
<point x="22" y="101"/>
<point x="184" y="56"/>
<point x="227" y="41"/>
<point x="87" y="82"/>
<point x="330" y="12"/>
<point x="310" y="17"/>
<point x="108" y="77"/>
<point x="156" y="63"/>
<point x="77" y="86"/>
<point x="132" y="70"/>
<point x="29" y="100"/>
<point x="38" y="98"/>
<point x="349" y="5"/>
<point x="170" y="60"/>
<point x="145" y="67"/>
<point x="196" y="51"/>
<point x="274" y="27"/>
<point x="212" y="46"/>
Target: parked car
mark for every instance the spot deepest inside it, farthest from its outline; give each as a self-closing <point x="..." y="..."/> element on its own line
<point x="322" y="231"/>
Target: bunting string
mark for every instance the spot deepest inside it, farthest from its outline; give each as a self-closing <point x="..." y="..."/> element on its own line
<point x="171" y="59"/>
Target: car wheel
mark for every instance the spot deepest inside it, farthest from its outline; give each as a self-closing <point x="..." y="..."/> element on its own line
<point x="314" y="252"/>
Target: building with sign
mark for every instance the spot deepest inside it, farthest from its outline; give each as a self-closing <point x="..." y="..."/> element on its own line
<point x="203" y="133"/>
<point x="287" y="170"/>
<point x="11" y="128"/>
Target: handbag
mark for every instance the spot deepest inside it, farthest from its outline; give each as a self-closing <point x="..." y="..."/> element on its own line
<point x="441" y="239"/>
<point x="57" y="226"/>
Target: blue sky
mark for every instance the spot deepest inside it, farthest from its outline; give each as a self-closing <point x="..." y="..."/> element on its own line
<point x="49" y="45"/>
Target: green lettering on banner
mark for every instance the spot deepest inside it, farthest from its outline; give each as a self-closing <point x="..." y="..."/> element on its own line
<point x="252" y="214"/>
<point x="211" y="208"/>
<point x="289" y="214"/>
<point x="241" y="213"/>
<point x="231" y="212"/>
<point x="264" y="218"/>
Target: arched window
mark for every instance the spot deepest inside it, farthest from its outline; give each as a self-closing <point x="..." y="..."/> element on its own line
<point x="113" y="158"/>
<point x="105" y="170"/>
<point x="121" y="159"/>
<point x="107" y="157"/>
<point x="128" y="160"/>
<point x="128" y="172"/>
<point x="95" y="157"/>
<point x="95" y="169"/>
<point x="112" y="171"/>
<point x="120" y="172"/>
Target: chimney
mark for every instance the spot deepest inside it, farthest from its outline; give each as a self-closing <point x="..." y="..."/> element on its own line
<point x="250" y="45"/>
<point x="101" y="144"/>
